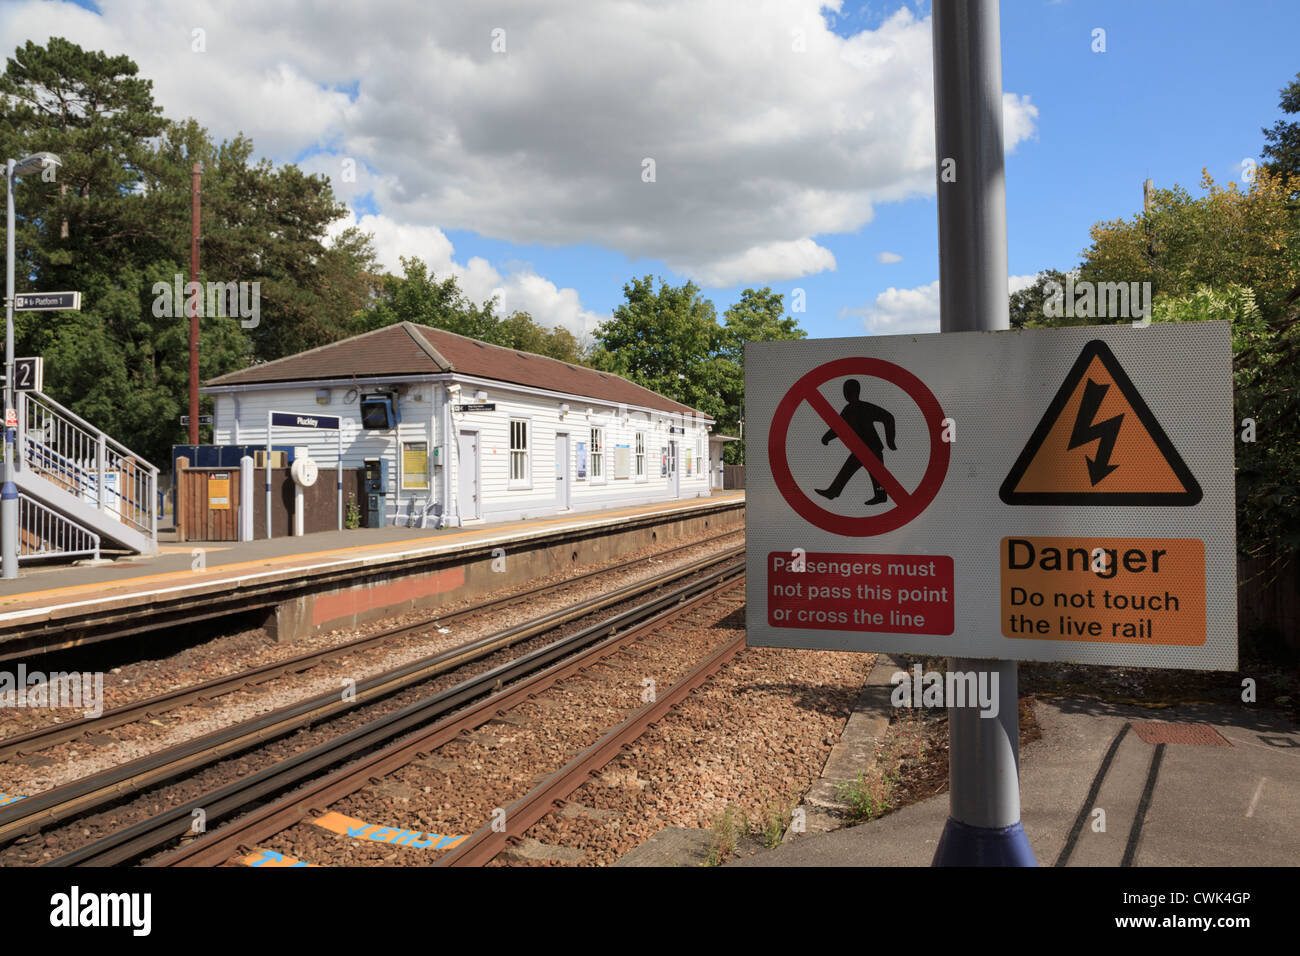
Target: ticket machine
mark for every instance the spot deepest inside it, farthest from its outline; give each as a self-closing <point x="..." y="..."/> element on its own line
<point x="376" y="482"/>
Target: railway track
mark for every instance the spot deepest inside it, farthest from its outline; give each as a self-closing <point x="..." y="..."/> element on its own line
<point x="533" y="674"/>
<point x="97" y="791"/>
<point x="42" y="738"/>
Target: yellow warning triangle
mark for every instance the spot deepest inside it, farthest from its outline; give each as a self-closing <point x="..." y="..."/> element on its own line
<point x="1099" y="444"/>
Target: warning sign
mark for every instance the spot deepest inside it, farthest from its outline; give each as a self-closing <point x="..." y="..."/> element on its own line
<point x="900" y="593"/>
<point x="1121" y="590"/>
<point x="1042" y="494"/>
<point x="1099" y="444"/>
<point x="858" y="425"/>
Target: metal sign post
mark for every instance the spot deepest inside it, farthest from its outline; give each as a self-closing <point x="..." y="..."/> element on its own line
<point x="984" y="825"/>
<point x="303" y="420"/>
<point x="989" y="495"/>
<point x="9" y="488"/>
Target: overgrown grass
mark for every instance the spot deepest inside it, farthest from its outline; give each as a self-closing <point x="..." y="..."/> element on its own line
<point x="869" y="796"/>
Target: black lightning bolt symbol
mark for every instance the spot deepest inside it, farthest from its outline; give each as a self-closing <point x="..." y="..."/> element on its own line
<point x="1107" y="431"/>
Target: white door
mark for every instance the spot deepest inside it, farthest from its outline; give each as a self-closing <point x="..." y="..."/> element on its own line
<point x="467" y="483"/>
<point x="674" y="485"/>
<point x="561" y="472"/>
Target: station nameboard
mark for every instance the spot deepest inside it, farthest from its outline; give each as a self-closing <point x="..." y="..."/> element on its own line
<point x="1045" y="494"/>
<point x="296" y="420"/>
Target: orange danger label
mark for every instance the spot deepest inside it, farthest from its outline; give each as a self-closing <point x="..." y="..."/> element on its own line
<point x="1107" y="590"/>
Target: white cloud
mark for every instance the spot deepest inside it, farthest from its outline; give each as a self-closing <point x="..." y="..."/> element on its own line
<point x="903" y="311"/>
<point x="523" y="289"/>
<point x="1018" y="115"/>
<point x="772" y="262"/>
<point x="888" y="258"/>
<point x="757" y="147"/>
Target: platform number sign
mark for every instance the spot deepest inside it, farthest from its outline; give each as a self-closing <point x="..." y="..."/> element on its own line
<point x="29" y="374"/>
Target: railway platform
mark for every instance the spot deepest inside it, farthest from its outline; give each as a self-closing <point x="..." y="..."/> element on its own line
<point x="298" y="585"/>
<point x="1190" y="785"/>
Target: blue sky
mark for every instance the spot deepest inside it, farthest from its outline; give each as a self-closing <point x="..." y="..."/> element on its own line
<point x="502" y="169"/>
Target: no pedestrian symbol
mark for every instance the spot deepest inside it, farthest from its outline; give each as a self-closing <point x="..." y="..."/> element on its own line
<point x="855" y="428"/>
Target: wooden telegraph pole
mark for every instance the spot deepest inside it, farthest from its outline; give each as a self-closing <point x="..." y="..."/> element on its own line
<point x="194" y="310"/>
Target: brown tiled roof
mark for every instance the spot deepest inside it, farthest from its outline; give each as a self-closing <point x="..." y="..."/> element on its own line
<point x="410" y="349"/>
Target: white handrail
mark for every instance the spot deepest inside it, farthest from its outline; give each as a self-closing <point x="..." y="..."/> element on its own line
<point x="77" y="419"/>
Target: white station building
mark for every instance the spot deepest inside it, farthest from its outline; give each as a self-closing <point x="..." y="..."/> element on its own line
<point x="470" y="431"/>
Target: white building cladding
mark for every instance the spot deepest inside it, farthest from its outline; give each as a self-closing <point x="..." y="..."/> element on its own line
<point x="550" y="437"/>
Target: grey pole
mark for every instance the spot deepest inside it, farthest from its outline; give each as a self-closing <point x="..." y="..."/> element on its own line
<point x="9" y="491"/>
<point x="984" y="761"/>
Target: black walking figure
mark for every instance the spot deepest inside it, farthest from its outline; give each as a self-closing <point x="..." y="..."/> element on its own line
<point x="862" y="418"/>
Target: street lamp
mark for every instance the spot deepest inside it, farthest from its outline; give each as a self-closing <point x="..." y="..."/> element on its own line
<point x="9" y="491"/>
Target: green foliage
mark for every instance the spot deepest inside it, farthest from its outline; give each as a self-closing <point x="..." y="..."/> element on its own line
<point x="419" y="296"/>
<point x="1027" y="304"/>
<point x="757" y="317"/>
<point x="1231" y="255"/>
<point x="352" y="521"/>
<point x="1249" y="237"/>
<point x="725" y="837"/>
<point x="1266" y="391"/>
<point x="669" y="341"/>
<point x="116" y="219"/>
<point x="866" y="798"/>
<point x="1282" y="142"/>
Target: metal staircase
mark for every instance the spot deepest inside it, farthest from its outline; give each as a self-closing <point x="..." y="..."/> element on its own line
<point x="81" y="487"/>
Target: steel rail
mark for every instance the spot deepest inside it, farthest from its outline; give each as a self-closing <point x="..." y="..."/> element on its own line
<point x="159" y="830"/>
<point x="485" y="843"/>
<point x="35" y="740"/>
<point x="86" y="793"/>
<point x="217" y="847"/>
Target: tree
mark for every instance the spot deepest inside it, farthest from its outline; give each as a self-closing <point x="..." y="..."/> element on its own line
<point x="1027" y="305"/>
<point x="1282" y="142"/>
<point x="78" y="224"/>
<point x="1250" y="237"/>
<point x="266" y="225"/>
<point x="94" y="228"/>
<point x="1232" y="255"/>
<point x="418" y="296"/>
<point x="759" y="316"/>
<point x="667" y="341"/>
<point x="1266" y="393"/>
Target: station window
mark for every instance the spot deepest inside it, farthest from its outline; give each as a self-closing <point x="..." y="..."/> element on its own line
<point x="640" y="454"/>
<point x="519" y="471"/>
<point x="597" y="453"/>
<point x="415" y="465"/>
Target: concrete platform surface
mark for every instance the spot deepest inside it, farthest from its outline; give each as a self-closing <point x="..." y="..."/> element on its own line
<point x="42" y="587"/>
<point x="1163" y="804"/>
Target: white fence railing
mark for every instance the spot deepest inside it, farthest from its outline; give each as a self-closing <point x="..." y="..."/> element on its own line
<point x="68" y="451"/>
<point x="43" y="533"/>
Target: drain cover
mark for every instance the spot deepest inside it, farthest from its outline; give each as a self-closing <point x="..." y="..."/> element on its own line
<point x="1160" y="732"/>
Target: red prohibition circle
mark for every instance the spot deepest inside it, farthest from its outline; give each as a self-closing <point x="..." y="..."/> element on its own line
<point x="902" y="512"/>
